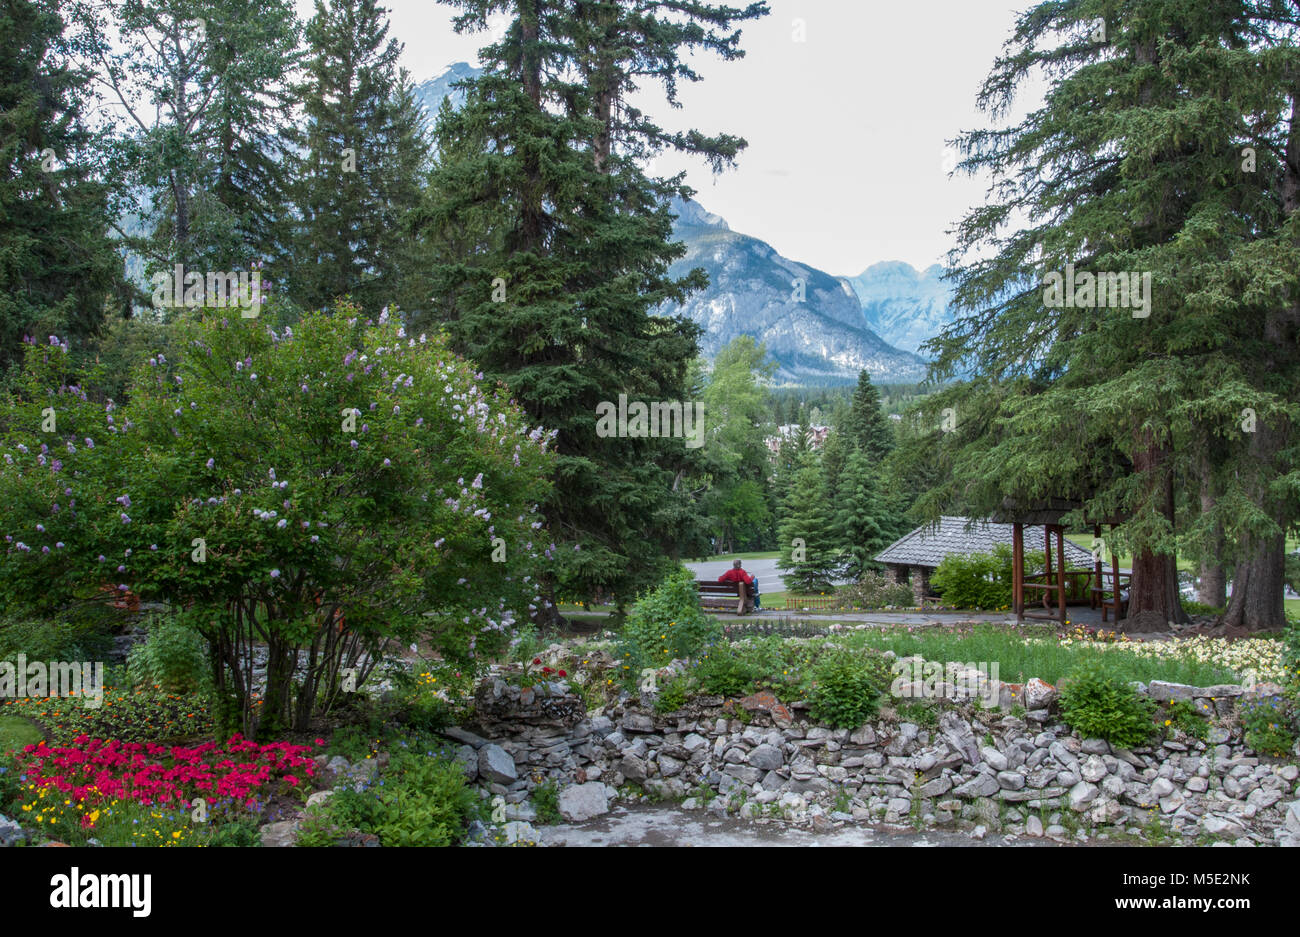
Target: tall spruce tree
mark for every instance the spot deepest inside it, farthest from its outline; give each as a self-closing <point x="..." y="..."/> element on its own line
<point x="552" y="250"/>
<point x="866" y="425"/>
<point x="362" y="158"/>
<point x="864" y="521"/>
<point x="57" y="265"/>
<point x="1103" y="402"/>
<point x="810" y="543"/>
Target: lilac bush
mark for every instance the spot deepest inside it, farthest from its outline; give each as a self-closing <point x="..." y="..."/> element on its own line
<point x="240" y="484"/>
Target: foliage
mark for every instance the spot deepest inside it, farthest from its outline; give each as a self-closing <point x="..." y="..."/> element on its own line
<point x="735" y="457"/>
<point x="546" y="800"/>
<point x="1200" y="608"/>
<point x="725" y="671"/>
<point x="667" y="624"/>
<point x="672" y="696"/>
<point x="844" y="692"/>
<point x="1270" y="725"/>
<point x="239" y="480"/>
<point x="75" y="634"/>
<point x="1101" y="705"/>
<point x="424" y="802"/>
<point x="362" y="154"/>
<point x="873" y="590"/>
<point x="60" y="270"/>
<point x="142" y="714"/>
<point x="1187" y="717"/>
<point x="171" y="659"/>
<point x="808" y="536"/>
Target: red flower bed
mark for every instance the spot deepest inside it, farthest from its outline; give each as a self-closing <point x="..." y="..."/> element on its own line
<point x="159" y="774"/>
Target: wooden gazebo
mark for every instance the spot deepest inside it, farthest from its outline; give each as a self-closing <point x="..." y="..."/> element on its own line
<point x="1057" y="582"/>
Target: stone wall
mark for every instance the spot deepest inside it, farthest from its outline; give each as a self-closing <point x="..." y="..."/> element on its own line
<point x="981" y="771"/>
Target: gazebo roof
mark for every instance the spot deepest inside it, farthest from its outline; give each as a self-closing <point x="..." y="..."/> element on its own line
<point x="929" y="544"/>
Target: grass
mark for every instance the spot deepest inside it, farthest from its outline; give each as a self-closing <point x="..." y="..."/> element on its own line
<point x="1126" y="560"/>
<point x="764" y="555"/>
<point x="1019" y="659"/>
<point x="17" y="733"/>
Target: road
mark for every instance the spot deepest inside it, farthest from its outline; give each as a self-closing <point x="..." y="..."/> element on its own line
<point x="769" y="578"/>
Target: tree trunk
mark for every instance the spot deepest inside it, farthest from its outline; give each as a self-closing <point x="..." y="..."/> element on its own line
<point x="1257" y="586"/>
<point x="1153" y="601"/>
<point x="1213" y="588"/>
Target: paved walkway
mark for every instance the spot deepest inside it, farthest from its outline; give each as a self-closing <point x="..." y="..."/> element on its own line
<point x="671" y="826"/>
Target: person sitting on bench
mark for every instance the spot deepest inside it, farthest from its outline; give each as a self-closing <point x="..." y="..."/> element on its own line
<point x="737" y="574"/>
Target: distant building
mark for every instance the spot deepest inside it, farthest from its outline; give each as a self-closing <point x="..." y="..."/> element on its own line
<point x="920" y="552"/>
<point x="816" y="436"/>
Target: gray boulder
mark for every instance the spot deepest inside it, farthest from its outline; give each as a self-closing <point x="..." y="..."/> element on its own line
<point x="580" y="802"/>
<point x="495" y="764"/>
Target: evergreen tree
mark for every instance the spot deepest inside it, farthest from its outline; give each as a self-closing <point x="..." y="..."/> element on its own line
<point x="57" y="264"/>
<point x="552" y="250"/>
<point x="863" y="516"/>
<point x="866" y="425"/>
<point x="810" y="553"/>
<point x="359" y="177"/>
<point x="1102" y="403"/>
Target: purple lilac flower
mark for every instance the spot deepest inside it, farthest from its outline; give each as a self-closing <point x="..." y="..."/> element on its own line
<point x="211" y="462"/>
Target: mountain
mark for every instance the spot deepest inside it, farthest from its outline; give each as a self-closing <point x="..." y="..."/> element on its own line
<point x="818" y="338"/>
<point x="431" y="92"/>
<point x="821" y="338"/>
<point x="902" y="305"/>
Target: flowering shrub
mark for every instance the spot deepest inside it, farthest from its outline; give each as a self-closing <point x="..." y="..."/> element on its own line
<point x="1269" y="725"/>
<point x="94" y="770"/>
<point x="329" y="488"/>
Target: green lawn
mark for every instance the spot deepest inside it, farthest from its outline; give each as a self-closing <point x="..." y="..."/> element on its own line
<point x="1085" y="541"/>
<point x="16" y="732"/>
<point x="768" y="555"/>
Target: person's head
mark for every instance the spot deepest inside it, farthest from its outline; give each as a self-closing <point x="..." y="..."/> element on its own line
<point x="735" y="564"/>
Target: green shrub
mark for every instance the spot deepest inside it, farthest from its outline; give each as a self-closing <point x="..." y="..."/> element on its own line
<point x="1269" y="725"/>
<point x="980" y="580"/>
<point x="725" y="672"/>
<point x="873" y="590"/>
<point x="424" y="802"/>
<point x="172" y="658"/>
<point x="1200" y="608"/>
<point x="546" y="799"/>
<point x="844" y="693"/>
<point x="1185" y="716"/>
<point x="1100" y="705"/>
<point x="666" y="624"/>
<point x="81" y="635"/>
<point x="242" y="833"/>
<point x="672" y="696"/>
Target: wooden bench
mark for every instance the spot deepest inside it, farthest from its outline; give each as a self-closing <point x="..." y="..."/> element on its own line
<point x="724" y="597"/>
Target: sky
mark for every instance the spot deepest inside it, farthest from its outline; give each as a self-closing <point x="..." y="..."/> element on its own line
<point x="846" y="128"/>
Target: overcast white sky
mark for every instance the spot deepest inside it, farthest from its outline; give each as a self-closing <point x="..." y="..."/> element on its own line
<point x="846" y="130"/>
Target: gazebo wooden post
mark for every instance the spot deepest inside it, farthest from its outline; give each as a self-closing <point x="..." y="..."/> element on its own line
<point x="1018" y="570"/>
<point x="1114" y="566"/>
<point x="1094" y="598"/>
<point x="1047" y="562"/>
<point x="1060" y="579"/>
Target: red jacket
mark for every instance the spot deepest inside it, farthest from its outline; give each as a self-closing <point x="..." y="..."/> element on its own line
<point x="736" y="575"/>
